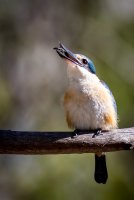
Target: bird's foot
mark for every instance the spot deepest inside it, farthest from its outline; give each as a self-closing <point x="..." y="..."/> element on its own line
<point x="79" y="132"/>
<point x="97" y="132"/>
<point x="75" y="133"/>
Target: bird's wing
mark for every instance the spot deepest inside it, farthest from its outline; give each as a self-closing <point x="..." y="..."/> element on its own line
<point x="113" y="99"/>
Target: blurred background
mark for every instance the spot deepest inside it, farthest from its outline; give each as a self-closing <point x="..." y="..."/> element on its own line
<point x="32" y="83"/>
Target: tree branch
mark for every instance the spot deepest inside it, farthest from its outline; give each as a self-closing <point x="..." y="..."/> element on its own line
<point x="25" y="142"/>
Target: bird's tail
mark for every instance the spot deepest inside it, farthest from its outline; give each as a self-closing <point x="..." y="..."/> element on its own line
<point x="100" y="174"/>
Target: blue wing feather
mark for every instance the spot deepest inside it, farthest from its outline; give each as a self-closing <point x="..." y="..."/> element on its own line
<point x="113" y="99"/>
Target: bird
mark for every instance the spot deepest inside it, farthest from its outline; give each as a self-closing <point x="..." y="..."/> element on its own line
<point x="88" y="103"/>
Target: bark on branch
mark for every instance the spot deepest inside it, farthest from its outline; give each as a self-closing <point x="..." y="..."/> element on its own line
<point x="25" y="142"/>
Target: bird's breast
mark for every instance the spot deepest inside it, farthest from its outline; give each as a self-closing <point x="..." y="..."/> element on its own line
<point x="89" y="109"/>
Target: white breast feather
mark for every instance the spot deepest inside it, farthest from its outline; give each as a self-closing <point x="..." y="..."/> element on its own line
<point x="90" y="104"/>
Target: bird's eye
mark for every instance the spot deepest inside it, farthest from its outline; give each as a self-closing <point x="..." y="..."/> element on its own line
<point x="84" y="61"/>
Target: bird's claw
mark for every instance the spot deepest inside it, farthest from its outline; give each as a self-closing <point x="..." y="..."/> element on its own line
<point x="97" y="132"/>
<point x="75" y="133"/>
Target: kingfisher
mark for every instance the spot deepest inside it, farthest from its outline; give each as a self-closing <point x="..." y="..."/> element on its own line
<point x="88" y="102"/>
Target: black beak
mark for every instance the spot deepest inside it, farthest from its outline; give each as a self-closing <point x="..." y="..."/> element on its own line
<point x="67" y="54"/>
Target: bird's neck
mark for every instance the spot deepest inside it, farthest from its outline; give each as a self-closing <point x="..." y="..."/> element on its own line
<point x="80" y="84"/>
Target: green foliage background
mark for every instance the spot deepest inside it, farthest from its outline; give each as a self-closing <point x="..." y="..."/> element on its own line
<point x="32" y="83"/>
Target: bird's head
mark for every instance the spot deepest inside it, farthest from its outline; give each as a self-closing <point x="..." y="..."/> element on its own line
<point x="79" y="66"/>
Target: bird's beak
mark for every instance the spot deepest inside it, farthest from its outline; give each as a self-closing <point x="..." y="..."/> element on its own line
<point x="67" y="54"/>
